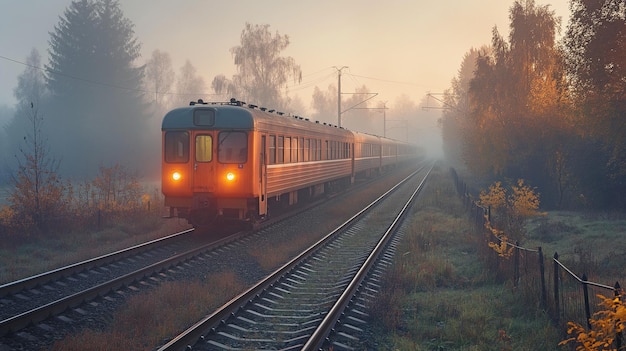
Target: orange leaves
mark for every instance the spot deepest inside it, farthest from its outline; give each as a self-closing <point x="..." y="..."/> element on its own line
<point x="605" y="325"/>
<point x="510" y="207"/>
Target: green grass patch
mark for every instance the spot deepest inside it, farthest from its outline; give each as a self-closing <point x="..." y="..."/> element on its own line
<point x="440" y="296"/>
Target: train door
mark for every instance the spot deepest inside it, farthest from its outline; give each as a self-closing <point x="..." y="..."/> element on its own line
<point x="203" y="165"/>
<point x="263" y="177"/>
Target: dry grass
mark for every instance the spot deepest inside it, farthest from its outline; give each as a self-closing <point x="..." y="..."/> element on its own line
<point x="150" y="318"/>
<point x="40" y="254"/>
<point x="440" y="296"/>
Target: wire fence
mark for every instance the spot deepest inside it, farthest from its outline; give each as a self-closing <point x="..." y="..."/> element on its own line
<point x="548" y="284"/>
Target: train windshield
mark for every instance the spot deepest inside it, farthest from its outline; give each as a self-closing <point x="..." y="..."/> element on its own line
<point x="176" y="147"/>
<point x="233" y="147"/>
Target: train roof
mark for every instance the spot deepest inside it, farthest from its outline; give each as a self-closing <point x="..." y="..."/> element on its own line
<point x="214" y="116"/>
<point x="236" y="116"/>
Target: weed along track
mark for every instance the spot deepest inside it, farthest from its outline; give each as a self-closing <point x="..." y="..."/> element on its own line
<point x="316" y="299"/>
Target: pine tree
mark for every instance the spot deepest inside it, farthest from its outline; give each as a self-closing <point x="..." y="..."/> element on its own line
<point x="97" y="113"/>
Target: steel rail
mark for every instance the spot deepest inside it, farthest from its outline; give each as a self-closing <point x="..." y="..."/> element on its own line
<point x="197" y="331"/>
<point x="41" y="313"/>
<point x="319" y="336"/>
<point x="43" y="278"/>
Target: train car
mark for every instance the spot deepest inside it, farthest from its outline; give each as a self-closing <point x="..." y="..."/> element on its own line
<point x="227" y="162"/>
<point x="235" y="162"/>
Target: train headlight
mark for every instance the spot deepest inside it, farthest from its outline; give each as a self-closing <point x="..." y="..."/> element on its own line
<point x="230" y="176"/>
<point x="176" y="176"/>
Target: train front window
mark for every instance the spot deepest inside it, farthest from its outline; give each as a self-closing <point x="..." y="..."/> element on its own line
<point x="233" y="147"/>
<point x="204" y="148"/>
<point x="203" y="117"/>
<point x="176" y="147"/>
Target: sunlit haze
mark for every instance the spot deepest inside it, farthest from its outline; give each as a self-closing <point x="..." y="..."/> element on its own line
<point x="395" y="48"/>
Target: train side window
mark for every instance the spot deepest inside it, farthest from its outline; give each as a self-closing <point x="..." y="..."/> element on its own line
<point x="287" y="149"/>
<point x="272" y="149"/>
<point x="319" y="149"/>
<point x="204" y="148"/>
<point x="176" y="147"/>
<point x="294" y="149"/>
<point x="280" y="150"/>
<point x="306" y="149"/>
<point x="233" y="147"/>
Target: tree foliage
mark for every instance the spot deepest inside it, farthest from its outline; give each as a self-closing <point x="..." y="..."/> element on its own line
<point x="96" y="87"/>
<point x="456" y="106"/>
<point x="189" y="85"/>
<point x="262" y="72"/>
<point x="160" y="79"/>
<point x="510" y="208"/>
<point x="518" y="118"/>
<point x="596" y="57"/>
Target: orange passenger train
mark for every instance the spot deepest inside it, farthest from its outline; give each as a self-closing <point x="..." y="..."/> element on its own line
<point x="233" y="162"/>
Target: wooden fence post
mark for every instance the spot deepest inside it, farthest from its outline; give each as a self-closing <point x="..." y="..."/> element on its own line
<point x="618" y="293"/>
<point x="542" y="271"/>
<point x="516" y="264"/>
<point x="557" y="308"/>
<point x="586" y="297"/>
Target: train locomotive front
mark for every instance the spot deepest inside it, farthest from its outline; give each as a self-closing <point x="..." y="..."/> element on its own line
<point x="208" y="165"/>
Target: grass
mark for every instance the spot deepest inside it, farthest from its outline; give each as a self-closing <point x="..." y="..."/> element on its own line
<point x="590" y="243"/>
<point x="35" y="254"/>
<point x="440" y="296"/>
<point x="138" y="327"/>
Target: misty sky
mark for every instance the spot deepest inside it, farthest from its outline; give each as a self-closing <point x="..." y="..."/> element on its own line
<point x="393" y="47"/>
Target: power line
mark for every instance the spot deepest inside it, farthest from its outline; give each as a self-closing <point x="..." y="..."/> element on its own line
<point x="108" y="85"/>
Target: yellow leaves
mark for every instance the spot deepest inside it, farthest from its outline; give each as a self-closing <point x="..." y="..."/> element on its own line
<point x="510" y="208"/>
<point x="524" y="201"/>
<point x="502" y="248"/>
<point x="605" y="325"/>
<point x="495" y="198"/>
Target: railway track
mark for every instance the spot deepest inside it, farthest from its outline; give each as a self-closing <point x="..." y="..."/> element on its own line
<point x="315" y="300"/>
<point x="29" y="306"/>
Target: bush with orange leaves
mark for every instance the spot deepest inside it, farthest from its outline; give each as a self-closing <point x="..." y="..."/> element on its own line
<point x="606" y="326"/>
<point x="510" y="208"/>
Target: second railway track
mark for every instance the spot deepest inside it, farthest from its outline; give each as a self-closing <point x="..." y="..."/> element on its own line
<point x="298" y="305"/>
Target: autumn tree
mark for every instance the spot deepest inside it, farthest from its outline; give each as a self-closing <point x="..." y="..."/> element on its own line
<point x="261" y="72"/>
<point x="595" y="44"/>
<point x="511" y="206"/>
<point x="116" y="188"/>
<point x="520" y="121"/>
<point x="39" y="195"/>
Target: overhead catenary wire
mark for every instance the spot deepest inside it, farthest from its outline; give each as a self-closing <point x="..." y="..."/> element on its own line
<point x="107" y="85"/>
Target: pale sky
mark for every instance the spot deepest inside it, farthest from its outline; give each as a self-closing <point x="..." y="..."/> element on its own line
<point x="393" y="47"/>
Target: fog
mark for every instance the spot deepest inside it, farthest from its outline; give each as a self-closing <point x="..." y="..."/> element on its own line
<point x="399" y="51"/>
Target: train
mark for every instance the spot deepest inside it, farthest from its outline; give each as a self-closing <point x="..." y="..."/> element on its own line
<point x="235" y="162"/>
